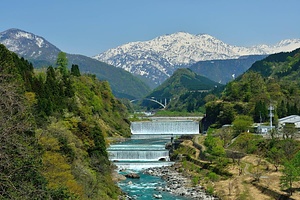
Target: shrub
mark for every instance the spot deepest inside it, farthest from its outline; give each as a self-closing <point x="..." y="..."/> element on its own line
<point x="213" y="176"/>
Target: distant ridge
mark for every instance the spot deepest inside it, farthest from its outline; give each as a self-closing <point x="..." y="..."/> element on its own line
<point x="223" y="71"/>
<point x="184" y="89"/>
<point x="183" y="80"/>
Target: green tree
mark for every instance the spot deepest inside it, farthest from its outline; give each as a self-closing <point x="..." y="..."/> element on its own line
<point x="260" y="111"/>
<point x="242" y="123"/>
<point x="226" y="115"/>
<point x="249" y="87"/>
<point x="218" y="149"/>
<point x="213" y="109"/>
<point x="275" y="156"/>
<point x="98" y="152"/>
<point x="281" y="109"/>
<point x="245" y="142"/>
<point x="290" y="175"/>
<point x="68" y="87"/>
<point x="289" y="108"/>
<point x="75" y="70"/>
<point x="52" y="92"/>
<point x="7" y="65"/>
<point x="232" y="91"/>
<point x="62" y="63"/>
<point x="219" y="113"/>
<point x="51" y="85"/>
<point x="296" y="159"/>
<point x="214" y="145"/>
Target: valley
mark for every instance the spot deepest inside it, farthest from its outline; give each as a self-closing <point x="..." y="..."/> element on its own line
<point x="60" y="113"/>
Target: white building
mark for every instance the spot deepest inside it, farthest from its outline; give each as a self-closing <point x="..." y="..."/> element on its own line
<point x="263" y="129"/>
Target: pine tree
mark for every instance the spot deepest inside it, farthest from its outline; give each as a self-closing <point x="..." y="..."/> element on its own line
<point x="289" y="108"/>
<point x="260" y="111"/>
<point x="281" y="109"/>
<point x="62" y="63"/>
<point x="68" y="88"/>
<point x="295" y="109"/>
<point x="75" y="70"/>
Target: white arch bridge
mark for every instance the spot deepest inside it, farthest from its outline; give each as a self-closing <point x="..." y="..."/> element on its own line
<point x="153" y="100"/>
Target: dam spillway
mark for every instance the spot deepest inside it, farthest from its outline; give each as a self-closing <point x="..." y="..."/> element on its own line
<point x="163" y="129"/>
<point x="146" y="148"/>
<point x="138" y="153"/>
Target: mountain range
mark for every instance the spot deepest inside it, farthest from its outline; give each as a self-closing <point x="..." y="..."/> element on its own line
<point x="135" y="68"/>
<point x="157" y="59"/>
<point x="42" y="53"/>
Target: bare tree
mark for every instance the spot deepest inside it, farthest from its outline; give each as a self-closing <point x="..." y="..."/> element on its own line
<point x="226" y="135"/>
<point x="289" y="131"/>
<point x="257" y="173"/>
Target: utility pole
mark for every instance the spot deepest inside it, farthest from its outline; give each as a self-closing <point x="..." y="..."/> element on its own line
<point x="260" y="119"/>
<point x="271" y="108"/>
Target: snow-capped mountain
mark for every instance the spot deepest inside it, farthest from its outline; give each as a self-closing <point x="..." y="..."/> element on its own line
<point x="157" y="59"/>
<point x="28" y="45"/>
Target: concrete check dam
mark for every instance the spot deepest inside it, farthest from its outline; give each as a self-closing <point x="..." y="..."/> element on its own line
<point x="146" y="148"/>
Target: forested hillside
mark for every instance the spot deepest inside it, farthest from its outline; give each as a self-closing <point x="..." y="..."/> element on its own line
<point x="273" y="80"/>
<point x="185" y="91"/>
<point x="122" y="83"/>
<point x="234" y="159"/>
<point x="53" y="129"/>
<point x="273" y="154"/>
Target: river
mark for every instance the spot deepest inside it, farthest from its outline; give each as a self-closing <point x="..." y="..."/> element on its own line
<point x="133" y="156"/>
<point x="147" y="150"/>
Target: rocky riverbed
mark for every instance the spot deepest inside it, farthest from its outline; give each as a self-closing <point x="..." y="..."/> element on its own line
<point x="177" y="184"/>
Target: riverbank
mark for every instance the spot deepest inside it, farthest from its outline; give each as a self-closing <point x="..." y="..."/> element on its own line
<point x="178" y="184"/>
<point x="241" y="179"/>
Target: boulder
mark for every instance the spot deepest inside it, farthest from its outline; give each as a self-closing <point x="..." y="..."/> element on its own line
<point x="132" y="175"/>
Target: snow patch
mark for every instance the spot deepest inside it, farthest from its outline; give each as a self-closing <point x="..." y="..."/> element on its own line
<point x="39" y="42"/>
<point x="21" y="34"/>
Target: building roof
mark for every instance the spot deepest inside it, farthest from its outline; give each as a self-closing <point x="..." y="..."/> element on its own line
<point x="290" y="119"/>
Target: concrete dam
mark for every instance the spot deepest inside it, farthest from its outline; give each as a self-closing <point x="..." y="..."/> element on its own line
<point x="163" y="129"/>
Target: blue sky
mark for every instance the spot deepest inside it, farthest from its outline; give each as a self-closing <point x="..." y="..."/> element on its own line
<point x="93" y="26"/>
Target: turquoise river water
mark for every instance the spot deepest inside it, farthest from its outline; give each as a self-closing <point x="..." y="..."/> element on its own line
<point x="144" y="188"/>
<point x="135" y="156"/>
